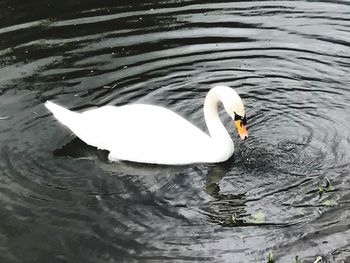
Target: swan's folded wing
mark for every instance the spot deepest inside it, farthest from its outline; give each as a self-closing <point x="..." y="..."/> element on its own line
<point x="144" y="133"/>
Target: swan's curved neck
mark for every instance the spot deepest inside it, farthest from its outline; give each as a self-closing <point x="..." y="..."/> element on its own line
<point x="216" y="129"/>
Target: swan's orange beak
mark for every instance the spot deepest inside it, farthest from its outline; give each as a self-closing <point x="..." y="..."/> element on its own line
<point x="241" y="129"/>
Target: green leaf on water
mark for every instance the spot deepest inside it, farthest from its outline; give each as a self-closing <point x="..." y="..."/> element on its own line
<point x="257" y="218"/>
<point x="329" y="202"/>
<point x="320" y="190"/>
<point x="297" y="259"/>
<point x="270" y="258"/>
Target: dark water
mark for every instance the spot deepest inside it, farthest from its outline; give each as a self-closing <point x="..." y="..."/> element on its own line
<point x="61" y="201"/>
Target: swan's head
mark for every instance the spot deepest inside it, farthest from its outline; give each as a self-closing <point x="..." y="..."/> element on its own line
<point x="234" y="106"/>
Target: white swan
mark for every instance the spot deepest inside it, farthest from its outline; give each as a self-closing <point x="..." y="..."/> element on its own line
<point x="152" y="134"/>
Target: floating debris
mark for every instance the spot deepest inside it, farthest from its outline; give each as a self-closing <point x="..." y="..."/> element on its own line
<point x="329" y="202"/>
<point x="110" y="87"/>
<point x="257" y="218"/>
<point x="318" y="259"/>
<point x="324" y="187"/>
<point x="5" y="118"/>
<point x="320" y="190"/>
<point x="233" y="219"/>
<point x="328" y="185"/>
<point x="297" y="259"/>
<point x="270" y="258"/>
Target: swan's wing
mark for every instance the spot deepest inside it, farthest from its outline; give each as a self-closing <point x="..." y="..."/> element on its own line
<point x="143" y="133"/>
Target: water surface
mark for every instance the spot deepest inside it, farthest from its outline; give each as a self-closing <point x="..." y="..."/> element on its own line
<point x="62" y="201"/>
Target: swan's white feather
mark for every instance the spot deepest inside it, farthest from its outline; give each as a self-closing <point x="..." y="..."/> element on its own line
<point x="139" y="132"/>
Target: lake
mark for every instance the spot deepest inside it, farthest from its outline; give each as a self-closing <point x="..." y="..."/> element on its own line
<point x="286" y="188"/>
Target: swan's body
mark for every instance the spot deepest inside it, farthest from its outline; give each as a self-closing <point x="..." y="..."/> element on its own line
<point x="153" y="134"/>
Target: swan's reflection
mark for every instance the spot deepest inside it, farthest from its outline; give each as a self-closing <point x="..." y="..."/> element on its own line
<point x="227" y="209"/>
<point x="79" y="149"/>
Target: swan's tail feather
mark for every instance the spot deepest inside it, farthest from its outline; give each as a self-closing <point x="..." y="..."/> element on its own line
<point x="66" y="117"/>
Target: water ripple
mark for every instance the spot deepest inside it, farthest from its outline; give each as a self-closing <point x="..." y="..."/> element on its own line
<point x="289" y="62"/>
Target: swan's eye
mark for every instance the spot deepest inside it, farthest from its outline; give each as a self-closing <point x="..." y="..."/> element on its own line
<point x="242" y="119"/>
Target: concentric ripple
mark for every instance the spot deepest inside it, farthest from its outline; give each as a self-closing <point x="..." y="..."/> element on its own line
<point x="285" y="190"/>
